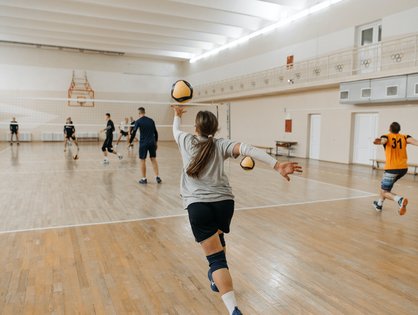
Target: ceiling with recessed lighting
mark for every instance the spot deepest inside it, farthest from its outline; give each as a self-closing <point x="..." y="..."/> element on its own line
<point x="171" y="29"/>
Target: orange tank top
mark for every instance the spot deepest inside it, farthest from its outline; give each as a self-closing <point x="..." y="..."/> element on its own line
<point x="395" y="151"/>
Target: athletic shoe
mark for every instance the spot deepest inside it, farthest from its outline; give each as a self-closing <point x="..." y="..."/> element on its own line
<point x="236" y="311"/>
<point x="377" y="207"/>
<point x="158" y="179"/>
<point x="403" y="202"/>
<point x="76" y="157"/>
<point x="212" y="283"/>
<point x="120" y="156"/>
<point x="143" y="181"/>
<point x="105" y="161"/>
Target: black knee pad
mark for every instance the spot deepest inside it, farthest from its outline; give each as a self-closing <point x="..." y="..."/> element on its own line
<point x="217" y="261"/>
<point x="222" y="239"/>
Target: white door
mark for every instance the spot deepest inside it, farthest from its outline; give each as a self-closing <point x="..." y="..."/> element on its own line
<point x="369" y="37"/>
<point x="365" y="131"/>
<point x="315" y="136"/>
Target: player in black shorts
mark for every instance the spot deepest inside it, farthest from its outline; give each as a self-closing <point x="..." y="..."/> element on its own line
<point x="123" y="131"/>
<point x="148" y="138"/>
<point x="131" y="133"/>
<point x="14" y="130"/>
<point x="69" y="136"/>
<point x="107" y="144"/>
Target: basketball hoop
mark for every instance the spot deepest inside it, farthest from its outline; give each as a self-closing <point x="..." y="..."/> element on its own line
<point x="80" y="92"/>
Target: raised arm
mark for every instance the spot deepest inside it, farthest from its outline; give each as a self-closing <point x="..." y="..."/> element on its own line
<point x="178" y="112"/>
<point x="285" y="168"/>
<point x="412" y="141"/>
<point x="380" y="141"/>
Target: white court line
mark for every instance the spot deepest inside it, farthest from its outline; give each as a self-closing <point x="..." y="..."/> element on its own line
<point x="297" y="176"/>
<point x="178" y="215"/>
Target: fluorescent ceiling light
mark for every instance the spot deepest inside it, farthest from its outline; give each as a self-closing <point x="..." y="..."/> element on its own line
<point x="316" y="8"/>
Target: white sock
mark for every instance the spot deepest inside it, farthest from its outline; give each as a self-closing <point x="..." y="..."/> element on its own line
<point x="397" y="198"/>
<point x="229" y="301"/>
<point x="380" y="202"/>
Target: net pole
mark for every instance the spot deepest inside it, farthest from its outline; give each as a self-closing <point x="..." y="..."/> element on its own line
<point x="228" y="119"/>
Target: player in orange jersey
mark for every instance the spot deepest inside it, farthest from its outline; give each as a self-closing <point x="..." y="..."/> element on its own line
<point x="396" y="165"/>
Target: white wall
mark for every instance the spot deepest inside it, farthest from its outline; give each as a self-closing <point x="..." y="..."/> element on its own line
<point x="260" y="121"/>
<point x="30" y="72"/>
<point x="325" y="32"/>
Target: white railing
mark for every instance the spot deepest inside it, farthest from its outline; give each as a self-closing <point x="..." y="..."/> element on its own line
<point x="399" y="53"/>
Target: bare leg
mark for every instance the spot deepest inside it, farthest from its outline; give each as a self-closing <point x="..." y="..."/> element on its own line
<point x="17" y="137"/>
<point x="143" y="168"/>
<point x="120" y="136"/>
<point x="155" y="166"/>
<point x="222" y="277"/>
<point x="384" y="194"/>
<point x="65" y="145"/>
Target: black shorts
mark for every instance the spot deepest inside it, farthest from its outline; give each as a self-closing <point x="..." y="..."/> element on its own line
<point x="124" y="133"/>
<point x="13" y="132"/>
<point x="107" y="144"/>
<point x="67" y="136"/>
<point x="145" y="148"/>
<point x="206" y="218"/>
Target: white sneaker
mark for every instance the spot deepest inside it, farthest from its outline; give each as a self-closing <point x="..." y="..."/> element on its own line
<point x="120" y="156"/>
<point x="105" y="161"/>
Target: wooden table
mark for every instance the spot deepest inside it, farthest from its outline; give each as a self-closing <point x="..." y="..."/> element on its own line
<point x="284" y="144"/>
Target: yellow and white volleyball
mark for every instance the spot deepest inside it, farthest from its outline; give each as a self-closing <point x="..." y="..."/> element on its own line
<point x="181" y="91"/>
<point x="247" y="163"/>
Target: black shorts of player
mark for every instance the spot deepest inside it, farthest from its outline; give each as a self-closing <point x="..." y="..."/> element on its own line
<point x="144" y="148"/>
<point x="107" y="144"/>
<point x="13" y="132"/>
<point x="124" y="133"/>
<point x="68" y="136"/>
<point x="206" y="218"/>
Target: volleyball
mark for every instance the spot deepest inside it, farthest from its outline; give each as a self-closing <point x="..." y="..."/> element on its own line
<point x="247" y="163"/>
<point x="181" y="91"/>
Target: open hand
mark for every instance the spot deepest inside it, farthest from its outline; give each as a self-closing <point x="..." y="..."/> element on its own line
<point x="179" y="110"/>
<point x="287" y="168"/>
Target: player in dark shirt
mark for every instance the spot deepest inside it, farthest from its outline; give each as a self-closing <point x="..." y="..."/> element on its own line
<point x="69" y="136"/>
<point x="14" y="130"/>
<point x="107" y="144"/>
<point x="148" y="138"/>
<point x="131" y="133"/>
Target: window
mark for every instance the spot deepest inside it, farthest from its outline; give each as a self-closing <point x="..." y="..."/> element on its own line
<point x="344" y="95"/>
<point x="392" y="90"/>
<point x="366" y="92"/>
<point x="367" y="36"/>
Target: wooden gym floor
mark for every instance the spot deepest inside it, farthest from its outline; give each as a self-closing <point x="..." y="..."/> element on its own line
<point x="78" y="237"/>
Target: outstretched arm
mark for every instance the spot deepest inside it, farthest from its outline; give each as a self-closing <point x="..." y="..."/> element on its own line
<point x="285" y="168"/>
<point x="412" y="141"/>
<point x="379" y="141"/>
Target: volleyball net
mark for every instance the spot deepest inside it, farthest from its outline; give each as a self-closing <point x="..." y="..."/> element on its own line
<point x="43" y="118"/>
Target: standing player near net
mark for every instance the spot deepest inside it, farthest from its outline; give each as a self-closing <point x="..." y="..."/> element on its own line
<point x="148" y="138"/>
<point x="123" y="131"/>
<point x="396" y="165"/>
<point x="14" y="130"/>
<point x="107" y="144"/>
<point x="69" y="135"/>
<point x="207" y="195"/>
<point x="131" y="133"/>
